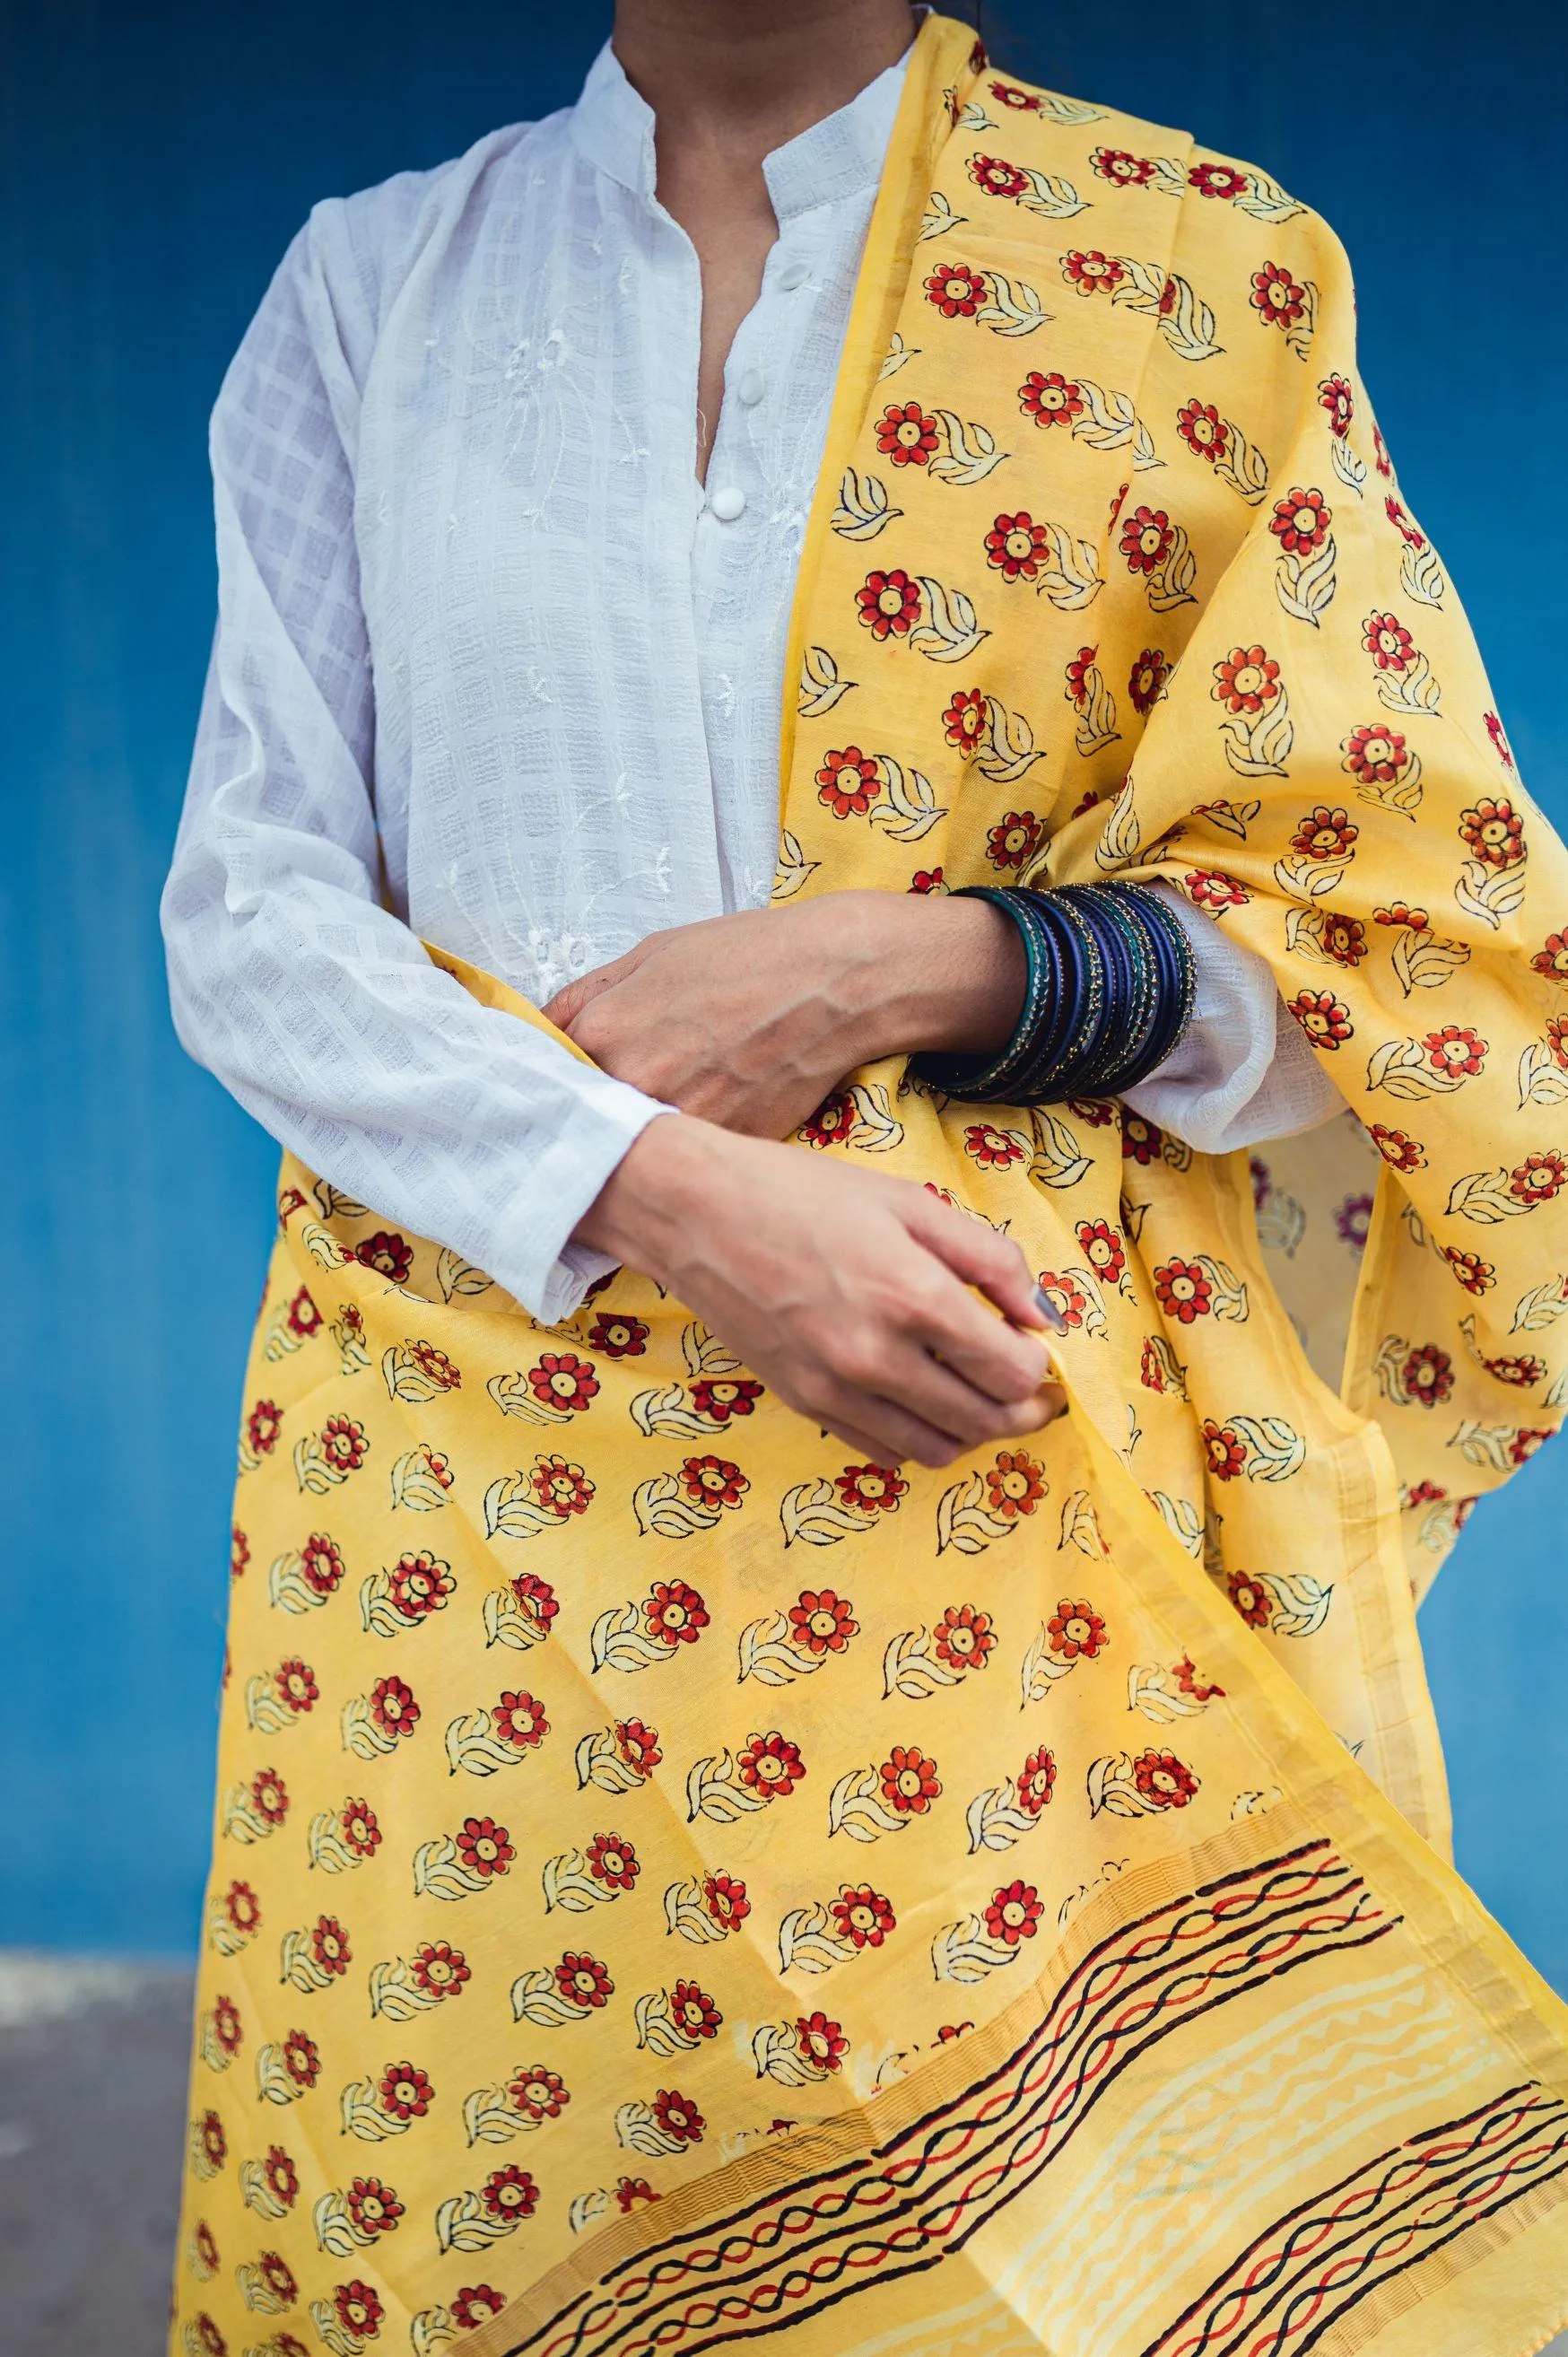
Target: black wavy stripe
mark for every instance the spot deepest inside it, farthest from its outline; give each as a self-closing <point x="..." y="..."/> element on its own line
<point x="1074" y="2027"/>
<point x="1382" y="2218"/>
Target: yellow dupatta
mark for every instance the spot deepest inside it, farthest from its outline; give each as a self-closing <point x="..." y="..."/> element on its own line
<point x="673" y="1886"/>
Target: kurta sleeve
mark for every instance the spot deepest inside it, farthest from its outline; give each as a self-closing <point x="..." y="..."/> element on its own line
<point x="316" y="1006"/>
<point x="1325" y="776"/>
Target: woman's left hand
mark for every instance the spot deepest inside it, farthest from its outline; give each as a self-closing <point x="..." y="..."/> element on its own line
<point x="751" y="1020"/>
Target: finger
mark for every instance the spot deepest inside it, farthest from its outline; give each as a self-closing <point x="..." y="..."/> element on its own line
<point x="975" y="1253"/>
<point x="1003" y="1361"/>
<point x="940" y="1396"/>
<point x="886" y="1428"/>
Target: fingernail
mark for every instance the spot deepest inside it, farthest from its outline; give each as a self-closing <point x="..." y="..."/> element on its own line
<point x="1049" y="1310"/>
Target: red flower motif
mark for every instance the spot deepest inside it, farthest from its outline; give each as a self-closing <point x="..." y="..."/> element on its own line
<point x="1537" y="1179"/>
<point x="537" y="1599"/>
<point x="1476" y="1274"/>
<point x="993" y="1149"/>
<point x="1161" y="1777"/>
<point x="561" y="1380"/>
<point x="403" y="2092"/>
<point x="583" y="1980"/>
<point x="1217" y="180"/>
<point x="510" y="2193"/>
<point x="1344" y="938"/>
<point x="823" y="2043"/>
<point x="1324" y="833"/>
<point x="474" y="2303"/>
<point x="1323" y="1019"/>
<point x="1183" y="1291"/>
<point x="618" y="1338"/>
<point x="1077" y="1631"/>
<point x="1557" y="1040"/>
<point x="713" y="1481"/>
<point x="723" y="1396"/>
<point x="870" y="1489"/>
<point x="239" y="1552"/>
<point x="1147" y="679"/>
<point x="359" y="1826"/>
<point x="440" y="1969"/>
<point x="821" y="1621"/>
<point x="1016" y="546"/>
<point x="957" y="291"/>
<point x="888" y="603"/>
<point x="520" y="1721"/>
<point x="638" y="1745"/>
<point x="909" y="1781"/>
<point x="1524" y="1444"/>
<point x="847" y="782"/>
<point x="1520" y="1371"/>
<point x="907" y="434"/>
<point x="210" y="2338"/>
<point x="296" y="1686"/>
<point x="693" y="2011"/>
<point x="1499" y="735"/>
<point x="262" y="1427"/>
<point x="1455" y="1050"/>
<point x="213" y="2141"/>
<point x="388" y="1254"/>
<point x="1246" y="680"/>
<point x="321" y="1561"/>
<point x="1353" y="1220"/>
<point x="1388" y="642"/>
<point x="1036" y="1781"/>
<point x="329" y="1946"/>
<point x="1336" y="397"/>
<point x="1428" y="1375"/>
<point x="1551" y="958"/>
<point x="674" y="1613"/>
<point x="1142" y="1141"/>
<point x="612" y="1861"/>
<point x="537" y="2093"/>
<point x="282" y="2176"/>
<point x="862" y="1915"/>
<point x="1381" y="453"/>
<point x="1399" y="1150"/>
<point x="963" y="1637"/>
<point x="630" y="2192"/>
<point x="436" y="1366"/>
<point x="1226" y="1450"/>
<point x="485" y="1847"/>
<point x="1203" y="430"/>
<point x="1007" y="93"/>
<point x="269" y="1796"/>
<point x="420" y="1584"/>
<point x="343" y="1443"/>
<point x="771" y="1765"/>
<point x="1251" y="1601"/>
<point x="1300" y="522"/>
<point x="360" y="2311"/>
<point x="373" y="2207"/>
<point x="1376" y="754"/>
<point x="302" y="2059"/>
<point x="1101" y="1247"/>
<point x="1014" y="1912"/>
<point x="997" y="178"/>
<point x="1125" y="171"/>
<point x="242" y="1908"/>
<point x="564" y="1488"/>
<point x="1277" y="298"/>
<point x="1015" y="1483"/>
<point x="965" y="722"/>
<point x="227" y="2027"/>
<point x="1093" y="273"/>
<point x="1013" y="843"/>
<point x="725" y="1901"/>
<point x="392" y="1706"/>
<point x="1068" y="1299"/>
<point x="1052" y="400"/>
<point x="1146" y="538"/>
<point x="1211" y="888"/>
<point x="1493" y="832"/>
<point x="1400" y="912"/>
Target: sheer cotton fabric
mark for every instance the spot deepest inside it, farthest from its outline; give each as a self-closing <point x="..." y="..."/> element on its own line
<point x="486" y="651"/>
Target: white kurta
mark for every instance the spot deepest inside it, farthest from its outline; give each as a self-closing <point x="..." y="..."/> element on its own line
<point x="486" y="648"/>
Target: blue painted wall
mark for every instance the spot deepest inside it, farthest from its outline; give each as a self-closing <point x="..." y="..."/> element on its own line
<point x="155" y="159"/>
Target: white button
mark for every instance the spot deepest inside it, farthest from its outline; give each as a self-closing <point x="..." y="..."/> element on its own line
<point x="751" y="387"/>
<point x="727" y="503"/>
<point x="793" y="274"/>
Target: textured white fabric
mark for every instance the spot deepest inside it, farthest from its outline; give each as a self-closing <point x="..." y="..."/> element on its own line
<point x="484" y="644"/>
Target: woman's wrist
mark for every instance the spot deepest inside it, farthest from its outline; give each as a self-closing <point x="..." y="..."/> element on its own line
<point x="950" y="975"/>
<point x="642" y="1214"/>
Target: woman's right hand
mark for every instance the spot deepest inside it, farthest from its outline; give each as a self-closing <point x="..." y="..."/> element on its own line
<point x="846" y="1292"/>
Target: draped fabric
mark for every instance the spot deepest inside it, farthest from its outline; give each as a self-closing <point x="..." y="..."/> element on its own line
<point x="674" y="1886"/>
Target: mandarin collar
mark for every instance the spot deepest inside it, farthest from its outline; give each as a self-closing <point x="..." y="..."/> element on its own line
<point x="612" y="126"/>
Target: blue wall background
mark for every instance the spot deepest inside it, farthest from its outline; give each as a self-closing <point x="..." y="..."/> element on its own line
<point x="155" y="160"/>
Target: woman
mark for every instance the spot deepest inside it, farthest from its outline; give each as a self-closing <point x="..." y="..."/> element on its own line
<point x="737" y="2014"/>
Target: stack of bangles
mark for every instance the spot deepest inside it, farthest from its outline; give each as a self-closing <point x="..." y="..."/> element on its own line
<point x="1110" y="992"/>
